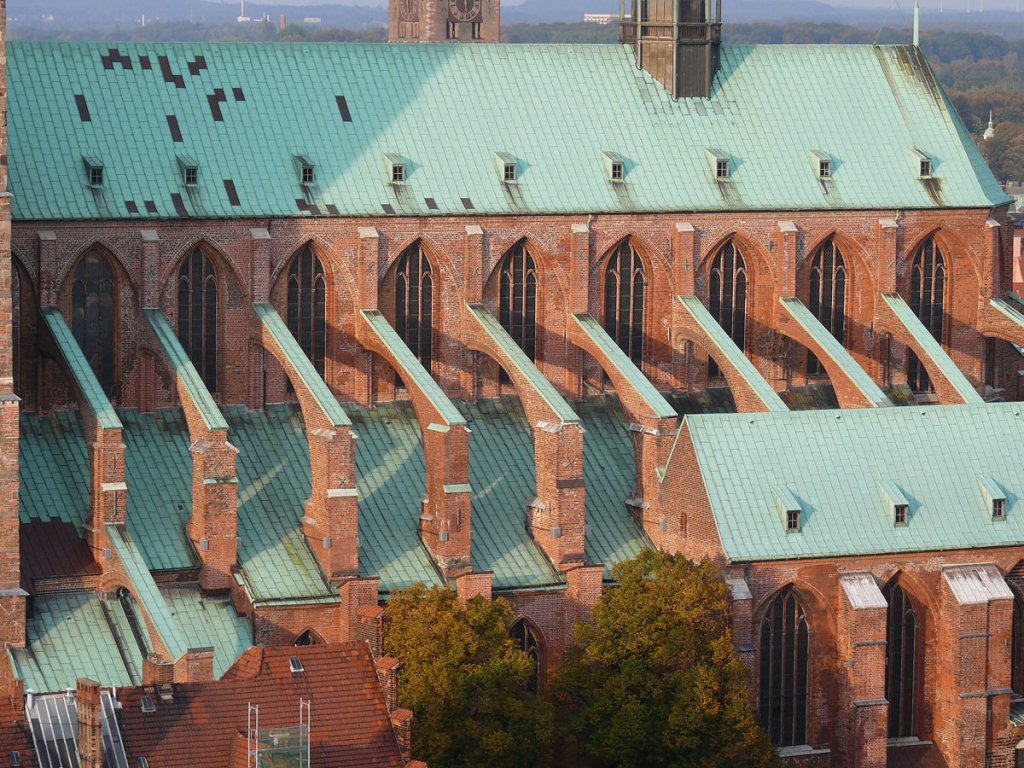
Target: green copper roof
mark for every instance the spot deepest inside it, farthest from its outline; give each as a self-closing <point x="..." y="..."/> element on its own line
<point x="489" y="324"/>
<point x="53" y="469"/>
<point x="412" y="369"/>
<point x="1011" y="309"/>
<point x="75" y="634"/>
<point x="185" y="371"/>
<point x="835" y="462"/>
<point x="207" y="622"/>
<point x="655" y="403"/>
<point x="146" y="592"/>
<point x="81" y="372"/>
<point x="836" y="351"/>
<point x="938" y="355"/>
<point x="303" y="366"/>
<point x="273" y="484"/>
<point x="446" y="110"/>
<point x="727" y="347"/>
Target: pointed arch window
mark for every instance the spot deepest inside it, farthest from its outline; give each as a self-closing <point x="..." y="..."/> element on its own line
<point x="625" y="294"/>
<point x="517" y="305"/>
<point x="783" y="698"/>
<point x="901" y="661"/>
<point x="197" y="314"/>
<point x="727" y="300"/>
<point x="928" y="300"/>
<point x="414" y="304"/>
<point x="94" y="315"/>
<point x="309" y="637"/>
<point x="526" y="640"/>
<point x="307" y="306"/>
<point x="828" y="296"/>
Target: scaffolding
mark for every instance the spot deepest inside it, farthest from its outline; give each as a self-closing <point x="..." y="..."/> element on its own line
<point x="286" y="747"/>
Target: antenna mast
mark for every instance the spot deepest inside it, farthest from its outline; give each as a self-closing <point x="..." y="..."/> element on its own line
<point x="917" y="23"/>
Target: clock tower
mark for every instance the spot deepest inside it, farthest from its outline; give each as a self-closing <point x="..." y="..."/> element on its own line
<point x="438" y="21"/>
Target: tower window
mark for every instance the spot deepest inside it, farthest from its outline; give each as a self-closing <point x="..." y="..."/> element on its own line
<point x="625" y="294"/>
<point x="307" y="306"/>
<point x="414" y="304"/>
<point x="197" y="315"/>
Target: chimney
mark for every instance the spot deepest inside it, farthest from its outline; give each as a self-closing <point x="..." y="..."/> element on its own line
<point x="284" y="22"/>
<point x="90" y="724"/>
<point x="677" y="41"/>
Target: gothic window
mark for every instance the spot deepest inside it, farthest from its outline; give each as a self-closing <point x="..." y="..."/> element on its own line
<point x="1017" y="660"/>
<point x="783" y="696"/>
<point x="307" y="306"/>
<point x="625" y="289"/>
<point x="309" y="637"/>
<point x="518" y="301"/>
<point x="526" y="640"/>
<point x="93" y="315"/>
<point x="900" y="661"/>
<point x="16" y="325"/>
<point x="828" y="296"/>
<point x="728" y="298"/>
<point x="414" y="304"/>
<point x="197" y="315"/>
<point x="928" y="300"/>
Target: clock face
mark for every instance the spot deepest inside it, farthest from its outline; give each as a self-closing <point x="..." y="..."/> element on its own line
<point x="409" y="10"/>
<point x="464" y="10"/>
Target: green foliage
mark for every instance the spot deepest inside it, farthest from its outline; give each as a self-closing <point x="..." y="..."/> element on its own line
<point x="652" y="679"/>
<point x="465" y="681"/>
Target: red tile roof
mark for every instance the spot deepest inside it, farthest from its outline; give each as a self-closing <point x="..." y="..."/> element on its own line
<point x="14" y="734"/>
<point x="350" y="726"/>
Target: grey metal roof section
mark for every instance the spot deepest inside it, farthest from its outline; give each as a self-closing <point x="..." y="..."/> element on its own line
<point x="53" y="720"/>
<point x="490" y="325"/>
<point x="862" y="591"/>
<point x="976" y="584"/>
<point x="412" y="368"/>
<point x="932" y="347"/>
<point x="83" y="374"/>
<point x="186" y="371"/>
<point x="727" y="348"/>
<point x="836" y="351"/>
<point x="657" y="405"/>
<point x="303" y="366"/>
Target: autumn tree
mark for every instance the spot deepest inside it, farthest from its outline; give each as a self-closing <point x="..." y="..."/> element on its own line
<point x="465" y="681"/>
<point x="651" y="679"/>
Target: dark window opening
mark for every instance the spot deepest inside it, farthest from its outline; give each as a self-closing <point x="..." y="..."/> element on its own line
<point x="625" y="295"/>
<point x="517" y="304"/>
<point x="828" y="297"/>
<point x="998" y="509"/>
<point x="308" y="174"/>
<point x="309" y="637"/>
<point x="414" y="304"/>
<point x="526" y="640"/>
<point x="16" y="326"/>
<point x="926" y="169"/>
<point x="928" y="300"/>
<point x="191" y="176"/>
<point x="96" y="176"/>
<point x="307" y="306"/>
<point x="793" y="520"/>
<point x="197" y="315"/>
<point x="900" y="661"/>
<point x="93" y="316"/>
<point x="783" y="695"/>
<point x="1017" y="646"/>
<point x="727" y="298"/>
<point x="901" y="513"/>
<point x="991" y="362"/>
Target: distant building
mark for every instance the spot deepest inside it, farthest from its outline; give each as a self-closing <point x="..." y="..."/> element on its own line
<point x="599" y="18"/>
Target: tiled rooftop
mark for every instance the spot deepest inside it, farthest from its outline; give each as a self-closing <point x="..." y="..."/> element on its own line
<point x="138" y="108"/>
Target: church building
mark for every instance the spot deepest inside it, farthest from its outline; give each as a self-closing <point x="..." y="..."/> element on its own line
<point x="289" y="327"/>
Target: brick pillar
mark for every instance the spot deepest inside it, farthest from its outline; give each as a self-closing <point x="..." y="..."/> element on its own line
<point x="579" y="301"/>
<point x="368" y="298"/>
<point x="90" y="724"/>
<point x="446" y="522"/>
<point x="741" y="614"/>
<point x="198" y="665"/>
<point x="387" y="674"/>
<point x="213" y="527"/>
<point x="260" y="242"/>
<point x="156" y="670"/>
<point x="991" y="283"/>
<point x="886" y="351"/>
<point x="47" y="280"/>
<point x="685" y="256"/>
<point x="556" y="518"/>
<point x="584" y="587"/>
<point x="473" y="277"/>
<point x="108" y="489"/>
<point x="331" y="522"/>
<point x="480" y="584"/>
<point x="357" y="594"/>
<point x="864" y="712"/>
<point x="401" y="721"/>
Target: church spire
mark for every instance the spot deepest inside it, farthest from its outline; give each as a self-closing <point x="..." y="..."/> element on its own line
<point x="991" y="130"/>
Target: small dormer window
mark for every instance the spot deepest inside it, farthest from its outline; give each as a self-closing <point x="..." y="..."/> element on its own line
<point x="722" y="168"/>
<point x="308" y="174"/>
<point x="191" y="175"/>
<point x="509" y="173"/>
<point x="998" y="509"/>
<point x="793" y="521"/>
<point x="15" y="758"/>
<point x="901" y="514"/>
<point x="926" y="168"/>
<point x="618" y="171"/>
<point x="824" y="169"/>
<point x="96" y="176"/>
<point x="398" y="173"/>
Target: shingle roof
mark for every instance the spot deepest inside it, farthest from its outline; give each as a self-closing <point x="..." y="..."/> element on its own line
<point x="15" y="735"/>
<point x="347" y="106"/>
<point x="349" y="727"/>
<point x="835" y="462"/>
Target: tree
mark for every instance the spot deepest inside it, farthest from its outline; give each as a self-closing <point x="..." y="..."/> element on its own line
<point x="465" y="681"/>
<point x="652" y="678"/>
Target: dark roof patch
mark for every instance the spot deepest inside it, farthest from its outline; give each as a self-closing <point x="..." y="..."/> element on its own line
<point x="238" y="93"/>
<point x="150" y="206"/>
<point x="83" y="108"/>
<point x="431" y="203"/>
<point x="388" y="209"/>
<point x="131" y="206"/>
<point x="179" y="205"/>
<point x="145" y="62"/>
<point x="197" y="65"/>
<point x="229" y="187"/>
<point x="332" y="209"/>
<point x="467" y="203"/>
<point x="169" y="75"/>
<point x="216" y="99"/>
<point x="113" y="57"/>
<point x="346" y="115"/>
<point x="172" y="123"/>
